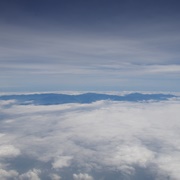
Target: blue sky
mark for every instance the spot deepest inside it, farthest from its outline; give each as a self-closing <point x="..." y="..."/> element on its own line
<point x="89" y="45"/>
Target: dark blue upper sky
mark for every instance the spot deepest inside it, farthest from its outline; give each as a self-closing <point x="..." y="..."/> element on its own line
<point x="89" y="45"/>
<point x="102" y="15"/>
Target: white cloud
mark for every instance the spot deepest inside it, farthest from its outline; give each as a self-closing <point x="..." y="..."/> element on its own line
<point x="30" y="175"/>
<point x="11" y="174"/>
<point x="103" y="136"/>
<point x="82" y="177"/>
<point x="124" y="156"/>
<point x="6" y="103"/>
<point x="55" y="177"/>
<point x="62" y="161"/>
<point x="8" y="151"/>
<point x="169" y="165"/>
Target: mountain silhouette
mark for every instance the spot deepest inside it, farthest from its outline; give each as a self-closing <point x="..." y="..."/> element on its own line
<point x="53" y="98"/>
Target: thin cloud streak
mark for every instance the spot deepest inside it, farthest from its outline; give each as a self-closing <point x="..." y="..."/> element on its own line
<point x="21" y="45"/>
<point x="35" y="56"/>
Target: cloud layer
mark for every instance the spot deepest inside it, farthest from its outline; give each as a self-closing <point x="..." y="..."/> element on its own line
<point x="69" y="45"/>
<point x="102" y="140"/>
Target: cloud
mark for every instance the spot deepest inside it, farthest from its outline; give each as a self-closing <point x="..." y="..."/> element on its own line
<point x="25" y="49"/>
<point x="77" y="50"/>
<point x="125" y="155"/>
<point x="4" y="175"/>
<point x="30" y="175"/>
<point x="8" y="151"/>
<point x="82" y="177"/>
<point x="63" y="161"/>
<point x="105" y="139"/>
<point x="55" y="177"/>
<point x="112" y="61"/>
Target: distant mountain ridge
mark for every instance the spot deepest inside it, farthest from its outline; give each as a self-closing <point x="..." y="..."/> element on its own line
<point x="53" y="98"/>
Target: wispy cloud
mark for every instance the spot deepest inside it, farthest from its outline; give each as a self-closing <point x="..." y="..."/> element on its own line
<point x="90" y="57"/>
<point x="70" y="42"/>
<point x="19" y="45"/>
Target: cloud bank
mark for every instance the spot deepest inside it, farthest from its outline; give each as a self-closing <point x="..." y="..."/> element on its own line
<point x="102" y="140"/>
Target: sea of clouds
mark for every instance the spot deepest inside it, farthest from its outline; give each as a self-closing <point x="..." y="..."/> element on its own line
<point x="104" y="140"/>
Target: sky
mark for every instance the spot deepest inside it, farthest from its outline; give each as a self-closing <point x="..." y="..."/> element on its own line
<point x="89" y="45"/>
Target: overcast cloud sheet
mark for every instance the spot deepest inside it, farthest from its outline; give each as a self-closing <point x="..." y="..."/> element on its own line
<point x="103" y="140"/>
